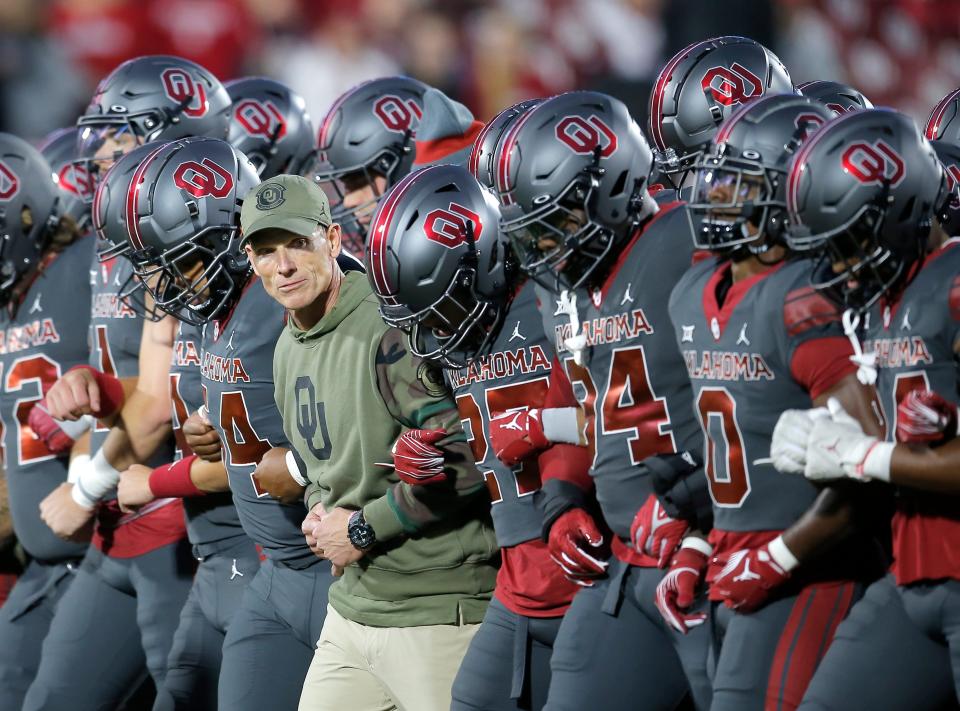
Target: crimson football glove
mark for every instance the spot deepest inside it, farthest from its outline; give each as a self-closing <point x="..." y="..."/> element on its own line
<point x="416" y="460"/>
<point x="517" y="435"/>
<point x="576" y="545"/>
<point x="678" y="588"/>
<point x="748" y="577"/>
<point x="48" y="430"/>
<point x="653" y="532"/>
<point x="925" y="417"/>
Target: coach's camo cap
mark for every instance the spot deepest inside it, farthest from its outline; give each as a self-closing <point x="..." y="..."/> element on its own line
<point x="286" y="202"/>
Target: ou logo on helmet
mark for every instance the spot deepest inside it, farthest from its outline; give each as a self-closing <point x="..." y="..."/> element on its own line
<point x="180" y="87"/>
<point x="873" y="163"/>
<point x="731" y="86"/>
<point x="584" y="135"/>
<point x="807" y="125"/>
<point x="203" y="179"/>
<point x="75" y="178"/>
<point x="260" y="118"/>
<point x="448" y="227"/>
<point x="9" y="182"/>
<point x="396" y="114"/>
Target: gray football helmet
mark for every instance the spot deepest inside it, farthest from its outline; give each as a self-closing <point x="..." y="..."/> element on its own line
<point x="76" y="187"/>
<point x="862" y="192"/>
<point x="948" y="213"/>
<point x="368" y="132"/>
<point x="699" y="88"/>
<point x="741" y="178"/>
<point x="270" y="125"/>
<point x="25" y="184"/>
<point x="571" y="175"/>
<point x="839" y="98"/>
<point x="481" y="156"/>
<point x="182" y="213"/>
<point x="152" y="98"/>
<point x="944" y="121"/>
<point x="439" y="265"/>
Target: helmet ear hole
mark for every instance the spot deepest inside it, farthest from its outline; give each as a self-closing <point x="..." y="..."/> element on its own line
<point x="619" y="184"/>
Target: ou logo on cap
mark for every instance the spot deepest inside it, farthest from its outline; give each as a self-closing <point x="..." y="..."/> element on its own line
<point x="179" y="86"/>
<point x="203" y="178"/>
<point x="731" y="86"/>
<point x="873" y="163"/>
<point x="448" y="227"/>
<point x="584" y="135"/>
<point x="9" y="182"/>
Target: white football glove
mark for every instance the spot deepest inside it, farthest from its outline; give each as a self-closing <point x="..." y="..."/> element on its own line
<point x="838" y="447"/>
<point x="788" y="447"/>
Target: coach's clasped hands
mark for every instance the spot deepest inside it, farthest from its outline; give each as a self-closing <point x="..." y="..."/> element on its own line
<point x="326" y="535"/>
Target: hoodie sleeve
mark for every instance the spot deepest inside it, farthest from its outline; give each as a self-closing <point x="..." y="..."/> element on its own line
<point x="416" y="397"/>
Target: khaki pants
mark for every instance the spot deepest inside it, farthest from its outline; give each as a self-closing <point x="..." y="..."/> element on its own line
<point x="364" y="668"/>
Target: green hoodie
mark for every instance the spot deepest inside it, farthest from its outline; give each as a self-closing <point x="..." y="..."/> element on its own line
<point x="347" y="388"/>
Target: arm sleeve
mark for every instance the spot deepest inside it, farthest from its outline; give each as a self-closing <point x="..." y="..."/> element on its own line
<point x="416" y="397"/>
<point x="567" y="462"/>
<point x="821" y="363"/>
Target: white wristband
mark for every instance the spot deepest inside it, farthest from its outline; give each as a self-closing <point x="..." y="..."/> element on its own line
<point x="697" y="544"/>
<point x="781" y="554"/>
<point x="95" y="480"/>
<point x="876" y="465"/>
<point x="560" y="424"/>
<point x="74" y="429"/>
<point x="77" y="465"/>
<point x="294" y="469"/>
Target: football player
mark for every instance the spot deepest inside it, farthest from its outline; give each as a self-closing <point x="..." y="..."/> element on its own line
<point x="755" y="339"/>
<point x="45" y="298"/>
<point x="197" y="273"/>
<point x="445" y="274"/>
<point x="900" y="274"/>
<point x="571" y="175"/>
<point x="698" y="89"/>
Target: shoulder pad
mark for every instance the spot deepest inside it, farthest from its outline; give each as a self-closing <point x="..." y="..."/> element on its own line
<point x="807" y="308"/>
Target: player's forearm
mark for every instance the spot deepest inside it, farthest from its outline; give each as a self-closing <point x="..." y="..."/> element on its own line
<point x="926" y="468"/>
<point x="143" y="425"/>
<point x="826" y="523"/>
<point x="209" y="477"/>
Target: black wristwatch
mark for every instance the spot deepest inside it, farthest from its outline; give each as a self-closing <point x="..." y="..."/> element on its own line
<point x="360" y="532"/>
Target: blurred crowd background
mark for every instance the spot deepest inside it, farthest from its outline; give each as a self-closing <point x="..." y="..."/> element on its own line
<point x="900" y="53"/>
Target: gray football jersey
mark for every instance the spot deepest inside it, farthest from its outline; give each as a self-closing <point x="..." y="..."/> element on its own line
<point x="237" y="374"/>
<point x="739" y="358"/>
<point x="44" y="338"/>
<point x="212" y="517"/>
<point x="632" y="383"/>
<point x="512" y="375"/>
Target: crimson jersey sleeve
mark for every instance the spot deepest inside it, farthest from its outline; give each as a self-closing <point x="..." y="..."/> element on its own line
<point x="817" y="350"/>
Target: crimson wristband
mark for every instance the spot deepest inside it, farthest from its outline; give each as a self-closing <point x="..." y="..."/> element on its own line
<point x="173" y="480"/>
<point x="111" y="391"/>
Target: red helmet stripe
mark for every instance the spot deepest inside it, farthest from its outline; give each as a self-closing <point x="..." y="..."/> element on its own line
<point x="133" y="193"/>
<point x="379" y="233"/>
<point x="936" y="116"/>
<point x="796" y="167"/>
<point x="504" y="150"/>
<point x="656" y="98"/>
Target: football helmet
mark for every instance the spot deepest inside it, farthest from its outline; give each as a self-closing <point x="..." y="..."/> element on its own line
<point x="863" y="192"/>
<point x="699" y="88"/>
<point x="182" y="213"/>
<point x="571" y="175"/>
<point x="60" y="150"/>
<point x="948" y="213"/>
<point x="270" y="125"/>
<point x="944" y="121"/>
<point x="481" y="156"/>
<point x="740" y="191"/>
<point x="839" y="98"/>
<point x="367" y="133"/>
<point x="25" y="185"/>
<point x="148" y="99"/>
<point x="439" y="265"/>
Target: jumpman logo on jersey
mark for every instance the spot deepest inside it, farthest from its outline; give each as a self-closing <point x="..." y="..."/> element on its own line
<point x="233" y="570"/>
<point x="687" y="336"/>
<point x="36" y="305"/>
<point x="626" y="295"/>
<point x="742" y="338"/>
<point x="230" y="342"/>
<point x="516" y="334"/>
<point x="905" y="324"/>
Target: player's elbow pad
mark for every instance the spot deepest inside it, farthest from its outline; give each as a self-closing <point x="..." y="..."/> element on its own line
<point x="681" y="486"/>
